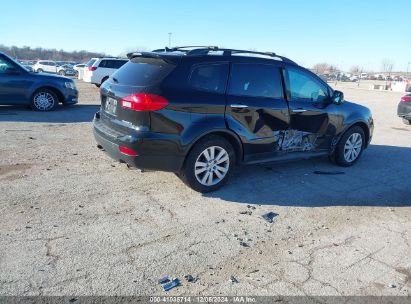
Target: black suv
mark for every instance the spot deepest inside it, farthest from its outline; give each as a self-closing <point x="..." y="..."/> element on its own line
<point x="199" y="111"/>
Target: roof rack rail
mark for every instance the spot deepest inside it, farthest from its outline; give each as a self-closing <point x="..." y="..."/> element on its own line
<point x="193" y="50"/>
<point x="230" y="52"/>
<point x="183" y="48"/>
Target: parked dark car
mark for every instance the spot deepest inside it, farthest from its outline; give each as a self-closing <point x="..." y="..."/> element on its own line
<point x="43" y="92"/>
<point x="404" y="109"/>
<point x="199" y="112"/>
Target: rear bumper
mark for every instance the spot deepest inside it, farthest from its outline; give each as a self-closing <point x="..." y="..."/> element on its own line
<point x="159" y="154"/>
<point x="404" y="110"/>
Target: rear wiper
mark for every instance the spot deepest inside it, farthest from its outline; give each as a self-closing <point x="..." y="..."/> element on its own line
<point x="115" y="79"/>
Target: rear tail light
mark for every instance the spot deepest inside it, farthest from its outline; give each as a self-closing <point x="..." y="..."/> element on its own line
<point x="92" y="68"/>
<point x="144" y="102"/>
<point x="127" y="151"/>
<point x="404" y="99"/>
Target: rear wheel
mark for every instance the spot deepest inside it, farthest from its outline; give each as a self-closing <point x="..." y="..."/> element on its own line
<point x="62" y="73"/>
<point x="209" y="164"/>
<point x="406" y="121"/>
<point x="39" y="71"/>
<point x="350" y="147"/>
<point x="44" y="100"/>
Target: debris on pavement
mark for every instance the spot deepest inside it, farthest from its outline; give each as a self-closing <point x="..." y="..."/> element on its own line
<point x="269" y="216"/>
<point x="233" y="279"/>
<point x="246" y="212"/>
<point x="190" y="278"/>
<point x="392" y="286"/>
<point x="164" y="280"/>
<point x="171" y="285"/>
<point x="329" y="172"/>
<point x="244" y="244"/>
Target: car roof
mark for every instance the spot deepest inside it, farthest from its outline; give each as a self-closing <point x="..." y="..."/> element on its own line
<point x="211" y="52"/>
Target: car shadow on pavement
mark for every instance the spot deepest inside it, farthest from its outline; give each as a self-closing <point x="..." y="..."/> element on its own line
<point x="380" y="178"/>
<point x="63" y="114"/>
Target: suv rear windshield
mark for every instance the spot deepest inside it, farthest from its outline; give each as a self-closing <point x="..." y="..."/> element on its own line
<point x="90" y="62"/>
<point x="140" y="71"/>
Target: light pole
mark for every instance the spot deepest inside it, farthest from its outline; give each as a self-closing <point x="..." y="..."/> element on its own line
<point x="408" y="65"/>
<point x="169" y="39"/>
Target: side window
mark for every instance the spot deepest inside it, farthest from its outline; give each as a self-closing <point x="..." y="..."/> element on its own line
<point x="4" y="66"/>
<point x="120" y="63"/>
<point x="303" y="86"/>
<point x="103" y="64"/>
<point x="255" y="80"/>
<point x="209" y="78"/>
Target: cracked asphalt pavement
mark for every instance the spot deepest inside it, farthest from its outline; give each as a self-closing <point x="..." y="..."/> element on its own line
<point x="74" y="222"/>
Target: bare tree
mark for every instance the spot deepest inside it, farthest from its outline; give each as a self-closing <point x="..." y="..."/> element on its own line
<point x="355" y="69"/>
<point x="321" y="68"/>
<point x="387" y="66"/>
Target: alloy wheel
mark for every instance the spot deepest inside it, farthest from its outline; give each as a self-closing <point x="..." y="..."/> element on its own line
<point x="352" y="147"/>
<point x="211" y="166"/>
<point x="43" y="101"/>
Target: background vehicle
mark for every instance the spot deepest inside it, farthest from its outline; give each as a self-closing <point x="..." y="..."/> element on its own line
<point x="199" y="112"/>
<point x="79" y="66"/>
<point x="45" y="66"/>
<point x="404" y="109"/>
<point x="43" y="92"/>
<point x="364" y="75"/>
<point x="66" y="70"/>
<point x="99" y="70"/>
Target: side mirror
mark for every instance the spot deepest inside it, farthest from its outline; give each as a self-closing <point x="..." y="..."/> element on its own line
<point x="337" y="98"/>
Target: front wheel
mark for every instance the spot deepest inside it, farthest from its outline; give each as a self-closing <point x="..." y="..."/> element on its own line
<point x="350" y="147"/>
<point x="62" y="73"/>
<point x="44" y="100"/>
<point x="209" y="164"/>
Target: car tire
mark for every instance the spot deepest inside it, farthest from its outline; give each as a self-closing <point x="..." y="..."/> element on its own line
<point x="209" y="164"/>
<point x="406" y="121"/>
<point x="44" y="100"/>
<point x="39" y="71"/>
<point x="62" y="73"/>
<point x="350" y="147"/>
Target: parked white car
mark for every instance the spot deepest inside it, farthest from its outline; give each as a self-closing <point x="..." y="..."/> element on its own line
<point x="364" y="75"/>
<point x="45" y="66"/>
<point x="79" y="66"/>
<point x="98" y="70"/>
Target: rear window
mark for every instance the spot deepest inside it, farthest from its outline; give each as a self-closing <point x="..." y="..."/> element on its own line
<point x="140" y="71"/>
<point x="90" y="62"/>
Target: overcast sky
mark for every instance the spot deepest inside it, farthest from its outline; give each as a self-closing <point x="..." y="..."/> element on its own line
<point x="343" y="33"/>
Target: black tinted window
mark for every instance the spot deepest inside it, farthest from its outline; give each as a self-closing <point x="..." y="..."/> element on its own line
<point x="143" y="71"/>
<point x="210" y="77"/>
<point x="4" y="66"/>
<point x="256" y="80"/>
<point x="104" y="64"/>
<point x="118" y="63"/>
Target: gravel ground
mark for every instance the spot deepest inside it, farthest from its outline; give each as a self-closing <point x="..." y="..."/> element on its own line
<point x="74" y="222"/>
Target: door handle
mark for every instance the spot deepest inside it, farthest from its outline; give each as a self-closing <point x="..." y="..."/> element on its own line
<point x="299" y="110"/>
<point x="239" y="106"/>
